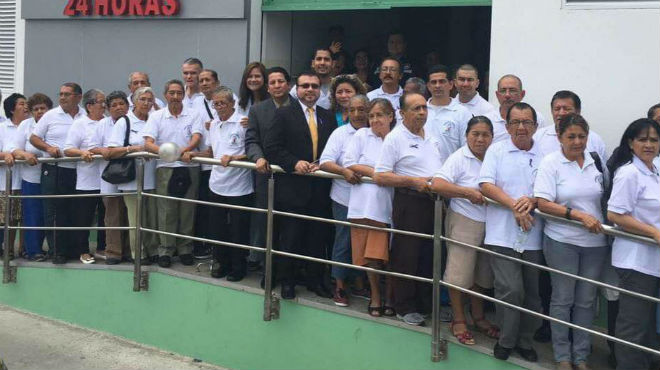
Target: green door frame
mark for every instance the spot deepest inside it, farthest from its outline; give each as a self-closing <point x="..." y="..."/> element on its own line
<point x="307" y="5"/>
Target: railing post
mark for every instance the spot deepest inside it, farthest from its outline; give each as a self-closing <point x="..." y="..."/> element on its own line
<point x="438" y="343"/>
<point x="137" y="267"/>
<point x="271" y="304"/>
<point x="8" y="275"/>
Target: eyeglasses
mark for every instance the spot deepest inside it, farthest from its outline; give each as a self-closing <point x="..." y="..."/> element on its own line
<point x="218" y="104"/>
<point x="389" y="69"/>
<point x="146" y="101"/>
<point x="517" y="122"/>
<point x="310" y="86"/>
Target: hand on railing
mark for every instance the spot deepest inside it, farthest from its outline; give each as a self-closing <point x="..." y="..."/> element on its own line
<point x="475" y="196"/>
<point x="352" y="177"/>
<point x="86" y="155"/>
<point x="303" y="167"/>
<point x="524" y="204"/>
<point x="524" y="220"/>
<point x="263" y="166"/>
<point x="9" y="159"/>
<point x="54" y="152"/>
<point x="590" y="222"/>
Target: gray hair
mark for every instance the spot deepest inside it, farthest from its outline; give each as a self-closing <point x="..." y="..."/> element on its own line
<point x="420" y="83"/>
<point x="360" y="97"/>
<point x="130" y="77"/>
<point x="173" y="82"/>
<point x="141" y="91"/>
<point x="224" y="92"/>
<point x="89" y="97"/>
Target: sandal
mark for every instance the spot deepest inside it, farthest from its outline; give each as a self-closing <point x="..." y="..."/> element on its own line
<point x="86" y="258"/>
<point x="375" y="311"/>
<point x="388" y="311"/>
<point x="490" y="330"/>
<point x="464" y="337"/>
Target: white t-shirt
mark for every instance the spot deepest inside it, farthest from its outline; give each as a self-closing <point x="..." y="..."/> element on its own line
<point x="163" y="127"/>
<point x="563" y="182"/>
<point x="407" y="154"/>
<point x="324" y="98"/>
<point x="512" y="170"/>
<point x="368" y="201"/>
<point x="335" y="150"/>
<point x="548" y="142"/>
<point x="8" y="133"/>
<point x="393" y="98"/>
<point x="636" y="192"/>
<point x="53" y="127"/>
<point x="462" y="168"/>
<point x="135" y="137"/>
<point x="447" y="124"/>
<point x="228" y="138"/>
<point x="477" y="106"/>
<point x="31" y="174"/>
<point x="101" y="139"/>
<point x="80" y="136"/>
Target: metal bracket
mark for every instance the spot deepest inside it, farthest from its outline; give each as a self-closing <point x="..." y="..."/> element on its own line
<point x="144" y="280"/>
<point x="439" y="350"/>
<point x="10" y="275"/>
<point x="274" y="308"/>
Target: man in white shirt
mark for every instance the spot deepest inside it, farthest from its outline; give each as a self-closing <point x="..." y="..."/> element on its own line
<point x="49" y="136"/>
<point x="390" y="76"/>
<point x="182" y="126"/>
<point x="467" y="82"/>
<point x="137" y="80"/>
<point x="322" y="65"/>
<point x="190" y="71"/>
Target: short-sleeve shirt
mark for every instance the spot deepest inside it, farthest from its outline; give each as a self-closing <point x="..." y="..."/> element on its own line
<point x="80" y="136"/>
<point x="135" y="137"/>
<point x="447" y="124"/>
<point x="228" y="138"/>
<point x="101" y="139"/>
<point x="334" y="151"/>
<point x="368" y="201"/>
<point x="513" y="170"/>
<point x="462" y="168"/>
<point x="500" y="132"/>
<point x="31" y="174"/>
<point x="548" y="142"/>
<point x="562" y="181"/>
<point x="477" y="106"/>
<point x="407" y="154"/>
<point x="8" y="133"/>
<point x="164" y="127"/>
<point x="191" y="101"/>
<point x="636" y="192"/>
<point x="53" y="128"/>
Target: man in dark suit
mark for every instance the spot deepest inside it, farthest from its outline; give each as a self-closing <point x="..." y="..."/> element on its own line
<point x="295" y="140"/>
<point x="259" y="119"/>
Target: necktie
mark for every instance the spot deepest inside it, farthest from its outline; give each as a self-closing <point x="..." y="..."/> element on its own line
<point x="313" y="131"/>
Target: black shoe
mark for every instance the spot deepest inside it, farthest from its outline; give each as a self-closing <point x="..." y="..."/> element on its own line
<point x="543" y="334"/>
<point x="501" y="353"/>
<point x="527" y="354"/>
<point x="320" y="291"/>
<point x="253" y="266"/>
<point x="288" y="291"/>
<point x="164" y="261"/>
<point x="112" y="261"/>
<point x="236" y="276"/>
<point x="59" y="260"/>
<point x="217" y="271"/>
<point x="186" y="259"/>
<point x="154" y="259"/>
<point x="201" y="252"/>
<point x="145" y="261"/>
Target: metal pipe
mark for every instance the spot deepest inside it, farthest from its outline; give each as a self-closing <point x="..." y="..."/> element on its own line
<point x="6" y="273"/>
<point x="268" y="258"/>
<point x="71" y="228"/>
<point x="438" y="343"/>
<point x="205" y="203"/>
<point x="137" y="260"/>
<point x="60" y="196"/>
<point x="203" y="240"/>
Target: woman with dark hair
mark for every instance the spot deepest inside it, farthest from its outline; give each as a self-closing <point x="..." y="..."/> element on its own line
<point x="342" y="89"/>
<point x="634" y="205"/>
<point x="33" y="212"/>
<point x="362" y="66"/>
<point x="570" y="183"/>
<point x="465" y="222"/>
<point x="253" y="87"/>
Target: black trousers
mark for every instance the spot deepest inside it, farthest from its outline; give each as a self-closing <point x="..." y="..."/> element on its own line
<point x="84" y="216"/>
<point x="203" y="223"/>
<point x="231" y="225"/>
<point x="57" y="180"/>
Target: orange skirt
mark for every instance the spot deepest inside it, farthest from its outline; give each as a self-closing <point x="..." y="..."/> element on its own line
<point x="369" y="245"/>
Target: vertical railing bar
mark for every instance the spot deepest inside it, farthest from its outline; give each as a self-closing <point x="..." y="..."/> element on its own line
<point x="137" y="269"/>
<point x="6" y="273"/>
<point x="268" y="262"/>
<point x="438" y="343"/>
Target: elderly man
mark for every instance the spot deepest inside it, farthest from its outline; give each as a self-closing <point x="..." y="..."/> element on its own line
<point x="137" y="80"/>
<point x="182" y="126"/>
<point x="408" y="160"/>
<point x="295" y="141"/>
<point x="49" y="136"/>
<point x="466" y="80"/>
<point x="322" y="67"/>
<point x="190" y="71"/>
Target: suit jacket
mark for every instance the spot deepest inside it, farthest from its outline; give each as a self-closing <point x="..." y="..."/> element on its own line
<point x="259" y="119"/>
<point x="288" y="141"/>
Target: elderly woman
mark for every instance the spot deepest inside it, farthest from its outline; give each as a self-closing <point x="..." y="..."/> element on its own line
<point x="16" y="109"/>
<point x="507" y="176"/>
<point x="33" y="211"/>
<point x="136" y="119"/>
<point x="371" y="204"/>
<point x="465" y="222"/>
<point x="342" y="89"/>
<point x="253" y="87"/>
<point x="332" y="160"/>
<point x="79" y="143"/>
<point x="570" y="183"/>
<point x="633" y="206"/>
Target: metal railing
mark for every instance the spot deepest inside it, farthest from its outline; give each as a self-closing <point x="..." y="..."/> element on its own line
<point x="271" y="301"/>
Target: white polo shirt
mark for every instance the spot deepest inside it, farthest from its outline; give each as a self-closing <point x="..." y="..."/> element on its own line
<point x="228" y="138"/>
<point x="393" y="98"/>
<point x="462" y="168"/>
<point x="636" y="192"/>
<point x="368" y="201"/>
<point x="101" y="139"/>
<point x="447" y="124"/>
<point x="334" y="151"/>
<point x="80" y="137"/>
<point x="190" y="101"/>
<point x="135" y="137"/>
<point x="8" y="133"/>
<point x="31" y="174"/>
<point x="563" y="182"/>
<point x="53" y="127"/>
<point x="324" y="98"/>
<point x="477" y="106"/>
<point x="500" y="132"/>
<point x="512" y="170"/>
<point x="407" y="154"/>
<point x="548" y="142"/>
<point x="163" y="127"/>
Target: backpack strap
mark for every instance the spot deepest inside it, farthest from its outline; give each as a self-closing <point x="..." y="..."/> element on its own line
<point x="128" y="130"/>
<point x="597" y="161"/>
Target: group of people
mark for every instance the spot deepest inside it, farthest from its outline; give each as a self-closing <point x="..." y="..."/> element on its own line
<point x="412" y="145"/>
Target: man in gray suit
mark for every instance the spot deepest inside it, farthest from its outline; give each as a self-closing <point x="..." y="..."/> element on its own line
<point x="259" y="119"/>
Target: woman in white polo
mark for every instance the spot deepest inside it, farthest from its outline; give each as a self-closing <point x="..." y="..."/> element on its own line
<point x="466" y="222"/>
<point x="570" y="184"/>
<point x="634" y="205"/>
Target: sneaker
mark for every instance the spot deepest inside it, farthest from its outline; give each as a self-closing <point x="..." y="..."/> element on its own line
<point x="36" y="257"/>
<point x="340" y="298"/>
<point x="112" y="261"/>
<point x="363" y="293"/>
<point x="412" y="318"/>
<point x="100" y="255"/>
<point x="59" y="260"/>
<point x="87" y="258"/>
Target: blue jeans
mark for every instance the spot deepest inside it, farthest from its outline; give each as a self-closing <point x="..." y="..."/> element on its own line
<point x="341" y="250"/>
<point x="33" y="215"/>
<point x="570" y="295"/>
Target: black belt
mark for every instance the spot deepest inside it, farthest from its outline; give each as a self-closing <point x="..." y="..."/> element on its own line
<point x="415" y="193"/>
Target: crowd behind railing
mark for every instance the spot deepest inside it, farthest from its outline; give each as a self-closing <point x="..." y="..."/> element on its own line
<point x="391" y="152"/>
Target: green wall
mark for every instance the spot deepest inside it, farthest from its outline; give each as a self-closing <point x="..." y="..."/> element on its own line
<point x="224" y="326"/>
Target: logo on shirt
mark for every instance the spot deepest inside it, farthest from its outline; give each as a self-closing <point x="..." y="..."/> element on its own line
<point x="234" y="140"/>
<point x="416" y="146"/>
<point x="188" y="130"/>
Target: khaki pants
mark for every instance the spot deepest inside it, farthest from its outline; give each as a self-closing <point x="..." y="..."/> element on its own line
<point x="150" y="241"/>
<point x="175" y="216"/>
<point x="116" y="245"/>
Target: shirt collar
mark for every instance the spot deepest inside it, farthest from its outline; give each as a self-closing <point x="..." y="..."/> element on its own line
<point x="450" y="107"/>
<point x="168" y="114"/>
<point x="642" y="167"/>
<point x="588" y="159"/>
<point x="468" y="153"/>
<point x="472" y="102"/>
<point x="398" y="92"/>
<point x="304" y="107"/>
<point x="511" y="147"/>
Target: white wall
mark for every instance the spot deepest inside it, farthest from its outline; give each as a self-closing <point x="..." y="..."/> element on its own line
<point x="609" y="57"/>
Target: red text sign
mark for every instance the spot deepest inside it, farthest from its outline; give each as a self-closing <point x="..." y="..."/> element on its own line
<point x="140" y="8"/>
